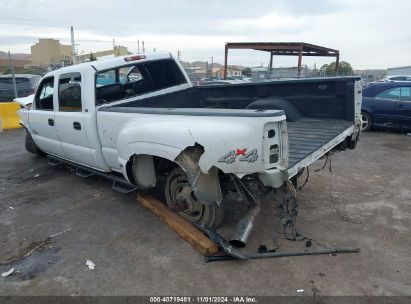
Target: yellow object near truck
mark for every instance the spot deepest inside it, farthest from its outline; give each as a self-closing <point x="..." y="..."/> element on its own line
<point x="9" y="118"/>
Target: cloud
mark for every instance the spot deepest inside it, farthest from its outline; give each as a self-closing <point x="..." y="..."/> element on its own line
<point x="368" y="33"/>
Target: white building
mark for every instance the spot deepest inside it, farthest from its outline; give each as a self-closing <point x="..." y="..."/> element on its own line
<point x="399" y="71"/>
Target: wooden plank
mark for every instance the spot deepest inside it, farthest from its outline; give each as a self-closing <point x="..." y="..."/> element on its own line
<point x="184" y="229"/>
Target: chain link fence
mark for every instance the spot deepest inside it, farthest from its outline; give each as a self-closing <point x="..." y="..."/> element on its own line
<point x="17" y="85"/>
<point x="14" y="85"/>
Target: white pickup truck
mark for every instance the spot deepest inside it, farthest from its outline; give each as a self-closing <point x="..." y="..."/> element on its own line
<point x="138" y="118"/>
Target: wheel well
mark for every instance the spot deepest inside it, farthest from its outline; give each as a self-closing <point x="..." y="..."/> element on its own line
<point x="275" y="103"/>
<point x="368" y="112"/>
<point x="162" y="167"/>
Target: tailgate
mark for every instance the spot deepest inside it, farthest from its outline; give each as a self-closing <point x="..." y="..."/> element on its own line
<point x="310" y="138"/>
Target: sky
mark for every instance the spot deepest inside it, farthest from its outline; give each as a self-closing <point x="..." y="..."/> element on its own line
<point x="368" y="33"/>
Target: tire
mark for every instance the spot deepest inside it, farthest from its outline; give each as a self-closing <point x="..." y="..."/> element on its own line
<point x="366" y="121"/>
<point x="177" y="183"/>
<point x="272" y="103"/>
<point x="31" y="145"/>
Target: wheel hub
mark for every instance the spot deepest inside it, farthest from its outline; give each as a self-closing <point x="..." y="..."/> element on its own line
<point x="185" y="202"/>
<point x="364" y="122"/>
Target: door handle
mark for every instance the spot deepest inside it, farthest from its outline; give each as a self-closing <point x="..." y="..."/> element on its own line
<point x="51" y="122"/>
<point x="76" y="125"/>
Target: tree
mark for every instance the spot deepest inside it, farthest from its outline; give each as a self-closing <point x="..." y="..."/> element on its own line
<point x="92" y="57"/>
<point x="344" y="69"/>
<point x="7" y="71"/>
<point x="247" y="72"/>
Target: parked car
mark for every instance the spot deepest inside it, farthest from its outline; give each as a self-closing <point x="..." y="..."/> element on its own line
<point x="396" y="78"/>
<point x="26" y="84"/>
<point x="386" y="105"/>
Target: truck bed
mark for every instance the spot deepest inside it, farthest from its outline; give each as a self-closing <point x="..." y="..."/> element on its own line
<point x="309" y="134"/>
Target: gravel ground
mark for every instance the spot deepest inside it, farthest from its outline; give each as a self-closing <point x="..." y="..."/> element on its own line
<point x="365" y="201"/>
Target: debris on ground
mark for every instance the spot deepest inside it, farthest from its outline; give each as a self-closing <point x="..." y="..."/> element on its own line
<point x="7" y="273"/>
<point x="300" y="290"/>
<point x="90" y="264"/>
<point x="61" y="232"/>
<point x="39" y="245"/>
<point x="37" y="175"/>
<point x="11" y="207"/>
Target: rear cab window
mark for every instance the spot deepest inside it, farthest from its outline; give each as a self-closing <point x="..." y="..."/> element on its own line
<point x="137" y="79"/>
<point x="69" y="92"/>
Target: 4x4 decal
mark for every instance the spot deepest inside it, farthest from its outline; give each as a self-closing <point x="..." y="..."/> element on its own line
<point x="231" y="156"/>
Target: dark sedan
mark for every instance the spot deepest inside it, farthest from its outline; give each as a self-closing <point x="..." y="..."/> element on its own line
<point x="26" y="84"/>
<point x="387" y="105"/>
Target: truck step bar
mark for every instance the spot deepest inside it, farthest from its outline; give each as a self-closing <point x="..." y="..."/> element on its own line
<point x="53" y="162"/>
<point x="119" y="184"/>
<point x="83" y="173"/>
<point x="123" y="188"/>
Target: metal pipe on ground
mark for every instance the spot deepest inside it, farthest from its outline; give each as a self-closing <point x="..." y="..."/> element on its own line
<point x="245" y="226"/>
<point x="283" y="254"/>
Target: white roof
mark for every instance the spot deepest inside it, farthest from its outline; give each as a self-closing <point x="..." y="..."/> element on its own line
<point x="109" y="63"/>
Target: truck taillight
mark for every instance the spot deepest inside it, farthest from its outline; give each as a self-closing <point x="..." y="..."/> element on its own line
<point x="134" y="58"/>
<point x="274" y="153"/>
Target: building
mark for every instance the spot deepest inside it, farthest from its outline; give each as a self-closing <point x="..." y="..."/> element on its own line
<point x="371" y="75"/>
<point x="18" y="65"/>
<point x="290" y="72"/>
<point x="262" y="73"/>
<point x="232" y="71"/>
<point x="196" y="73"/>
<point x="50" y="51"/>
<point x="406" y="70"/>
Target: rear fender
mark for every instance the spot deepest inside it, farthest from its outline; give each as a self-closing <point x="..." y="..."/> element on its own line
<point x="139" y="146"/>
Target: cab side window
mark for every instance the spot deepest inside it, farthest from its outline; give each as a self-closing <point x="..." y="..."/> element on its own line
<point x="70" y="92"/>
<point x="44" y="96"/>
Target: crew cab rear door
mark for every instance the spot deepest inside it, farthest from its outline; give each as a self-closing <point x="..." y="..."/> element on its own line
<point x="42" y="118"/>
<point x="70" y="120"/>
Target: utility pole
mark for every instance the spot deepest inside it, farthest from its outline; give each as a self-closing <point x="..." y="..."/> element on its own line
<point x="142" y="45"/>
<point x="12" y="76"/>
<point x="212" y="63"/>
<point x="114" y="44"/>
<point x="178" y="55"/>
<point x="73" y="47"/>
<point x="138" y="46"/>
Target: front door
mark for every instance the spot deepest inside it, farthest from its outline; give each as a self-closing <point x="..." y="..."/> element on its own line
<point x="42" y="119"/>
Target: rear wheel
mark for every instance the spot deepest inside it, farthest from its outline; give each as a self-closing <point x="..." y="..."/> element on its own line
<point x="366" y="121"/>
<point x="180" y="197"/>
<point x="31" y="145"/>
